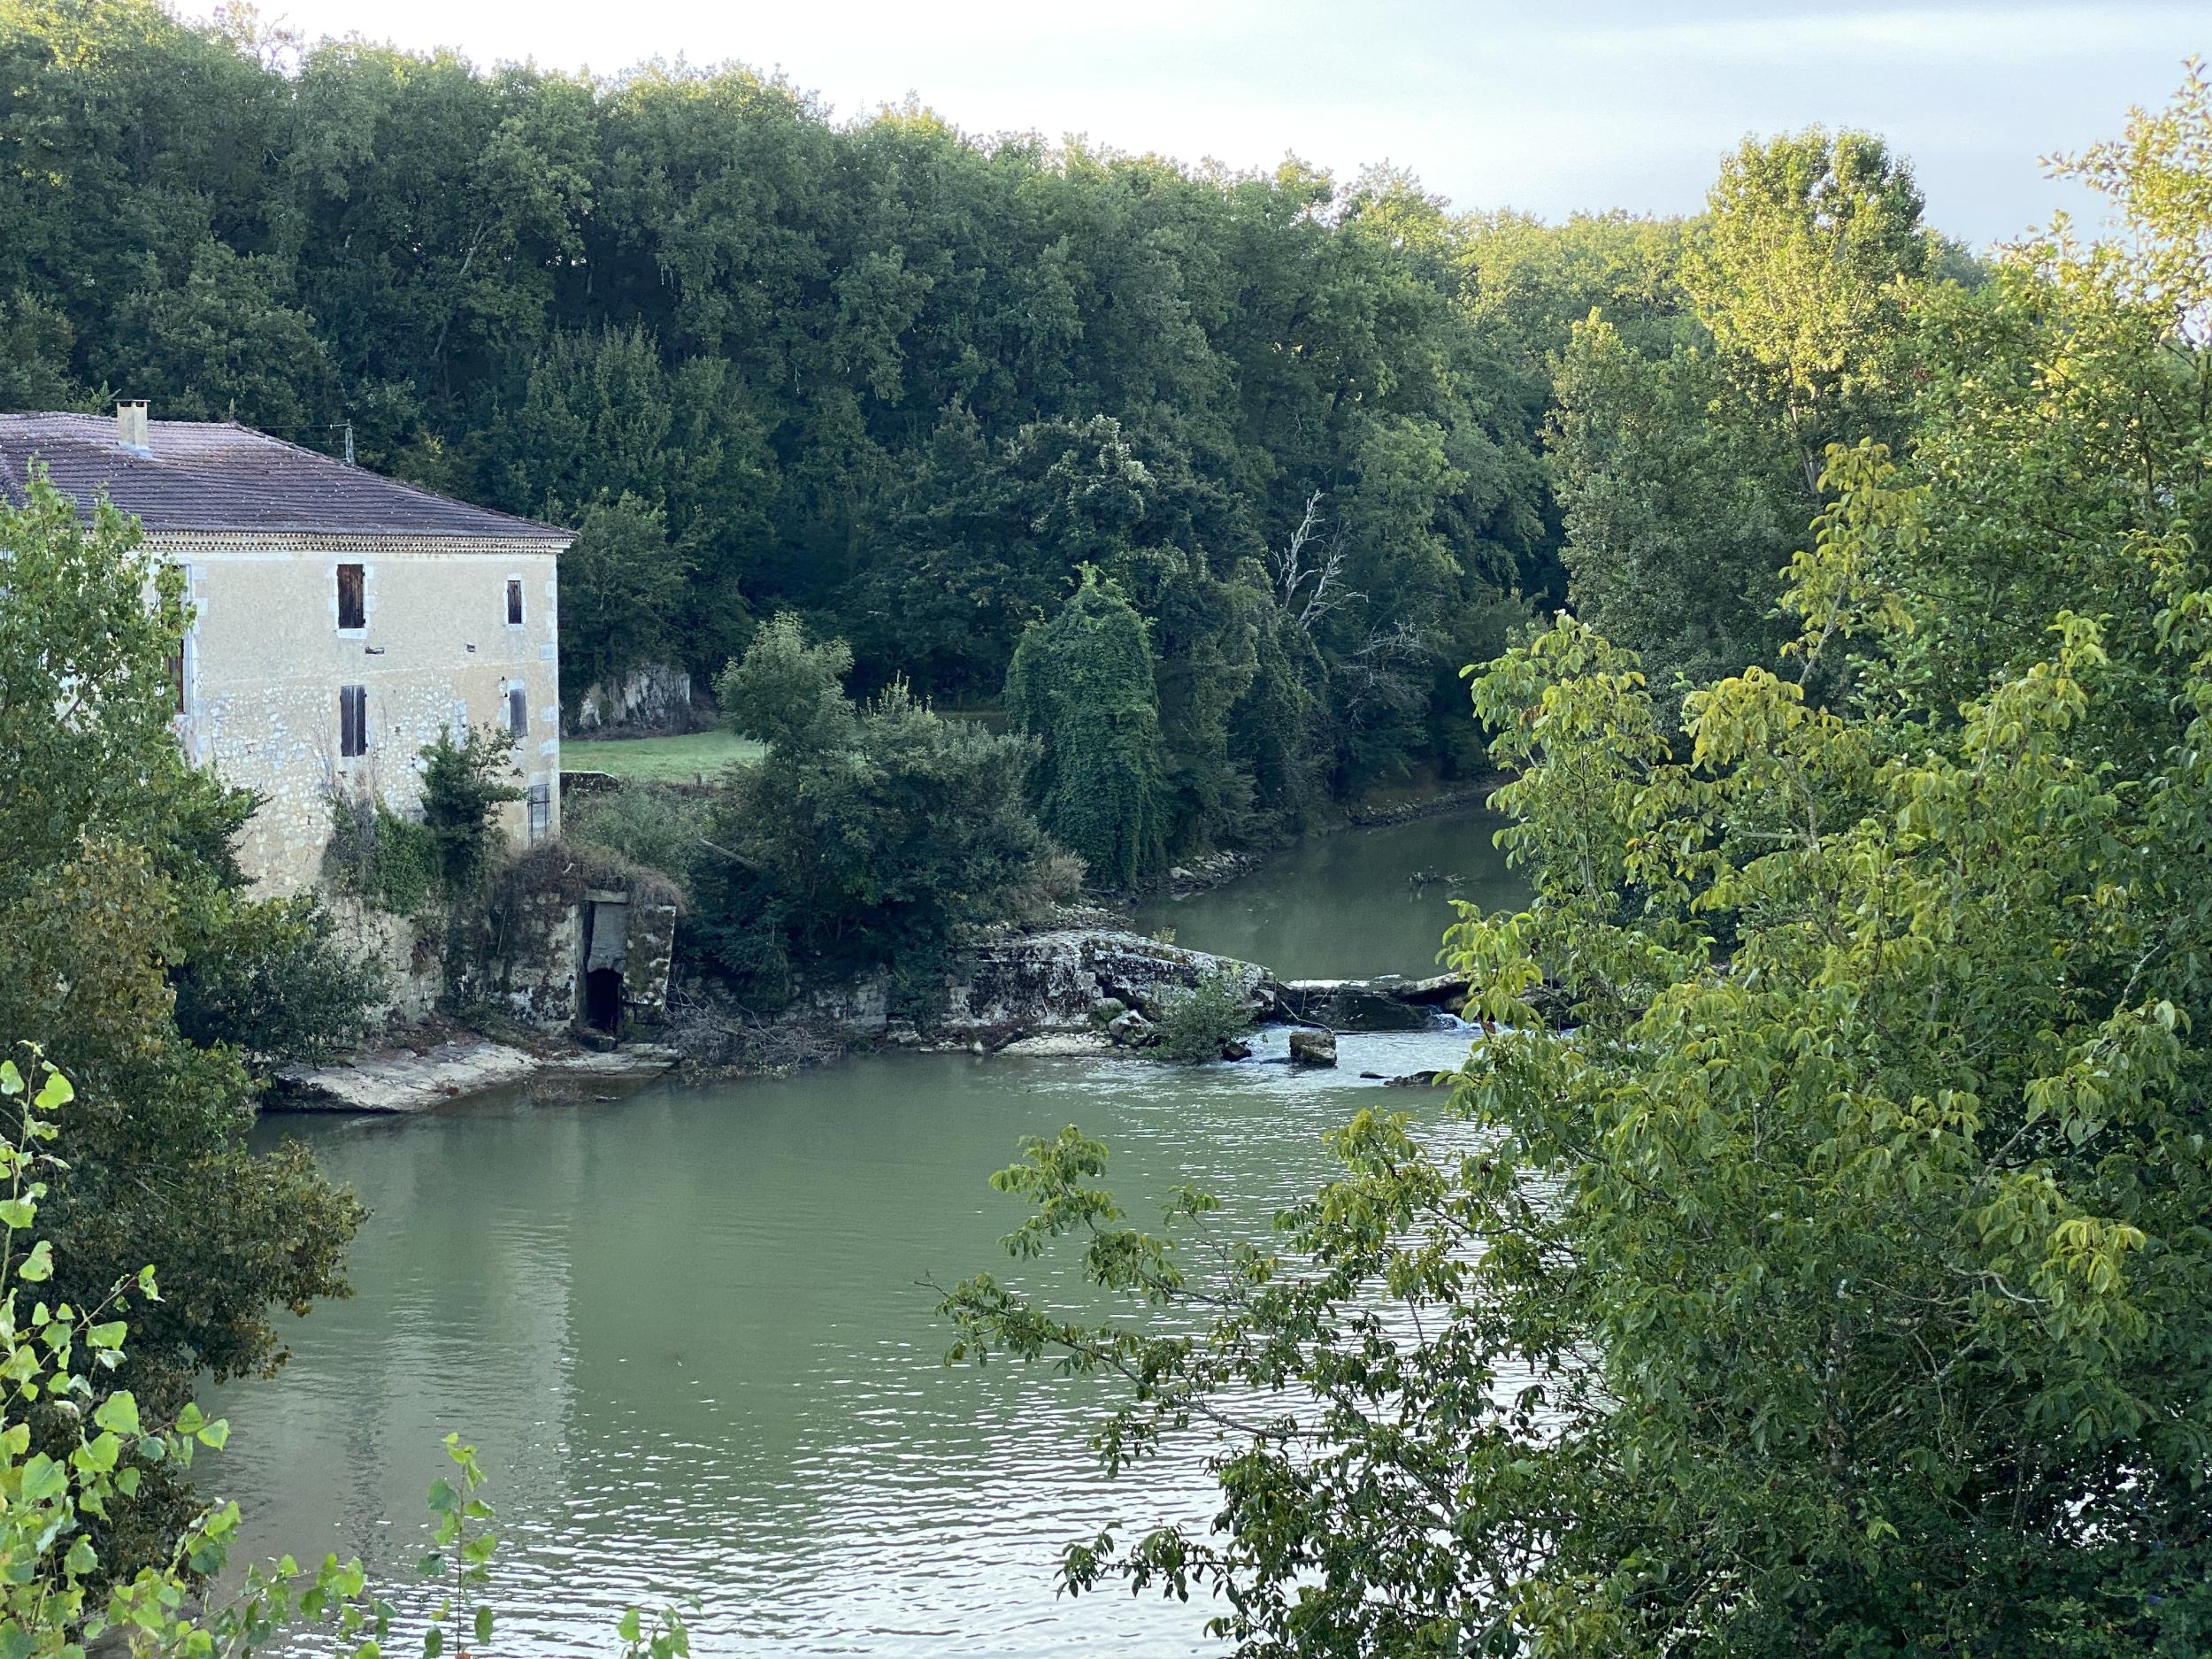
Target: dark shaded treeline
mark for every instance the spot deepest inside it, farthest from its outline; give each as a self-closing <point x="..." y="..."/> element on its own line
<point x="899" y="379"/>
<point x="1331" y="442"/>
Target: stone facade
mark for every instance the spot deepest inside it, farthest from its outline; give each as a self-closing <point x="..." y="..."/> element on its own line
<point x="267" y="662"/>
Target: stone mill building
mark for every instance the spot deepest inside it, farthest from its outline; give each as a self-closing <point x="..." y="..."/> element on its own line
<point x="340" y="618"/>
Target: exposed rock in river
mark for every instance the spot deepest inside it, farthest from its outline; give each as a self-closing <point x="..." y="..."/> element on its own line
<point x="1385" y="1004"/>
<point x="1130" y="1029"/>
<point x="1052" y="981"/>
<point x="1061" y="1044"/>
<point x="402" y="1080"/>
<point x="1313" y="1047"/>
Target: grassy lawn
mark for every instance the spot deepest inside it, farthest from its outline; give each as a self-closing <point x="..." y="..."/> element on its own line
<point x="659" y="759"/>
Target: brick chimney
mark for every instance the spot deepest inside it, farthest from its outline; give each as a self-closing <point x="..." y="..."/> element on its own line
<point x="130" y="427"/>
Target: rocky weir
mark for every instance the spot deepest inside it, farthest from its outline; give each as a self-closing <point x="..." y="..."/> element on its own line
<point x="1084" y="990"/>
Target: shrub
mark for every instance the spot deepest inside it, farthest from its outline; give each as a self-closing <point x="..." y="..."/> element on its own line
<point x="379" y="857"/>
<point x="643" y="823"/>
<point x="870" y="837"/>
<point x="1195" y="1024"/>
<point x="277" y="986"/>
<point x="462" y="786"/>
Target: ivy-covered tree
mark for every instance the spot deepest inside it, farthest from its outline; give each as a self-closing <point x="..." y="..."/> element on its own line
<point x="1081" y="685"/>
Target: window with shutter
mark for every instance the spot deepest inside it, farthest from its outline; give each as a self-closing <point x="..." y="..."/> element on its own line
<point x="353" y="610"/>
<point x="353" y="720"/>
<point x="518" y="711"/>
<point x="514" y="603"/>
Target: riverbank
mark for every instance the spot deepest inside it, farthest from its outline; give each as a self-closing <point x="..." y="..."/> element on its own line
<point x="1056" y="993"/>
<point x="1209" y="871"/>
<point x="1053" y="990"/>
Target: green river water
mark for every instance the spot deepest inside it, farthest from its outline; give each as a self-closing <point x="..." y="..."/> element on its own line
<point x="692" y="1333"/>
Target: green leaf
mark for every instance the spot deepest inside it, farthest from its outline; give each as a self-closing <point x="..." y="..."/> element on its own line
<point x="118" y="1411"/>
<point x="483" y="1624"/>
<point x="39" y="1265"/>
<point x="43" y="1478"/>
<point x="55" y="1092"/>
<point x="98" y="1454"/>
<point x="17" y="1212"/>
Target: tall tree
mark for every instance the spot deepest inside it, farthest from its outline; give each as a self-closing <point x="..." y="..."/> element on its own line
<point x="1688" y="459"/>
<point x="1082" y="685"/>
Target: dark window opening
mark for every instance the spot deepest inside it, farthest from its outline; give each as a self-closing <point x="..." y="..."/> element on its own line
<point x="176" y="676"/>
<point x="353" y="611"/>
<point x="518" y="711"/>
<point x="540" y="804"/>
<point x="514" y="603"/>
<point x="353" y="720"/>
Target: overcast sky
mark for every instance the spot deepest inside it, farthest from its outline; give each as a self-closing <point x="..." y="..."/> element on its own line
<point x="1546" y="107"/>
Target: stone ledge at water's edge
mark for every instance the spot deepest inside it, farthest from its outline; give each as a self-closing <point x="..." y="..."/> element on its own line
<point x="403" y="1080"/>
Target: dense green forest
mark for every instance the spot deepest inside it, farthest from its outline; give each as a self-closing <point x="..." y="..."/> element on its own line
<point x="1327" y="439"/>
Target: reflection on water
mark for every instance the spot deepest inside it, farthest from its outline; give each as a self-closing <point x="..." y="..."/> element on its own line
<point x="693" y="1334"/>
<point x="1346" y="906"/>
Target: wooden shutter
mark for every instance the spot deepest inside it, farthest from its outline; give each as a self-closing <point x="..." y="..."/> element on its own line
<point x="353" y="720"/>
<point x="514" y="603"/>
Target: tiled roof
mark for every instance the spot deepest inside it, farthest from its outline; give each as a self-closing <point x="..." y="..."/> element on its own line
<point x="209" y="475"/>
